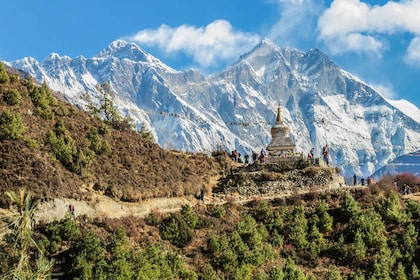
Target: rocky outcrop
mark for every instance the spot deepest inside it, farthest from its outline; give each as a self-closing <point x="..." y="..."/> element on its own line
<point x="260" y="179"/>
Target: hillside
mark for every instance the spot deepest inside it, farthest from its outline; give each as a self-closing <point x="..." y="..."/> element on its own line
<point x="56" y="150"/>
<point x="137" y="215"/>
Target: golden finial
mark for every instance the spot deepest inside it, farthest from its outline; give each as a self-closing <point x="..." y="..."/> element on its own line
<point x="279" y="118"/>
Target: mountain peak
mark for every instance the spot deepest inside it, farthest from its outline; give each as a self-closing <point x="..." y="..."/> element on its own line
<point x="123" y="49"/>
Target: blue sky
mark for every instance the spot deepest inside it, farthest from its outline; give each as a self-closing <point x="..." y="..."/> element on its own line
<point x="377" y="41"/>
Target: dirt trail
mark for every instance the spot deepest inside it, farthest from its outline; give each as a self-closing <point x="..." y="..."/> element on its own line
<point x="101" y="205"/>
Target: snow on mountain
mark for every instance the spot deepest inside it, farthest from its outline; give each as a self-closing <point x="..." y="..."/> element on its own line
<point x="409" y="163"/>
<point x="235" y="108"/>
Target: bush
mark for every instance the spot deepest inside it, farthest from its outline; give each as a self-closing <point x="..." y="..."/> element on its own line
<point x="12" y="97"/>
<point x="190" y="217"/>
<point x="391" y="209"/>
<point x="218" y="211"/>
<point x="63" y="230"/>
<point x="325" y="222"/>
<point x="153" y="218"/>
<point x="31" y="143"/>
<point x="263" y="213"/>
<point x="11" y="126"/>
<point x="43" y="98"/>
<point x="4" y="77"/>
<point x="176" y="230"/>
<point x="156" y="262"/>
<point x="65" y="150"/>
<point x="98" y="143"/>
<point x="87" y="257"/>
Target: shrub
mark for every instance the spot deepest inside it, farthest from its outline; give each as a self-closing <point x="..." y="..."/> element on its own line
<point x="263" y="213"/>
<point x="12" y="97"/>
<point x="157" y="262"/>
<point x="291" y="271"/>
<point x="409" y="243"/>
<point x="43" y="98"/>
<point x="146" y="134"/>
<point x="87" y="257"/>
<point x="413" y="208"/>
<point x="218" y="211"/>
<point x="190" y="217"/>
<point x="63" y="149"/>
<point x="153" y="218"/>
<point x="4" y="77"/>
<point x="391" y="209"/>
<point x="325" y="223"/>
<point x="176" y="230"/>
<point x="103" y="129"/>
<point x="11" y="126"/>
<point x="298" y="229"/>
<point x="98" y="143"/>
<point x="59" y="128"/>
<point x="31" y="143"/>
<point x="350" y="208"/>
<point x="120" y="266"/>
<point x="63" y="230"/>
<point x="357" y="250"/>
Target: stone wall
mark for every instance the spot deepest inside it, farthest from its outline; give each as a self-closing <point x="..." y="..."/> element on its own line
<point x="272" y="179"/>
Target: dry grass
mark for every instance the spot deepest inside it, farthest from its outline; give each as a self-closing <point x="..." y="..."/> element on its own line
<point x="135" y="170"/>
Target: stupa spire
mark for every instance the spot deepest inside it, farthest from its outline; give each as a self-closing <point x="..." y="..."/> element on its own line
<point x="279" y="118"/>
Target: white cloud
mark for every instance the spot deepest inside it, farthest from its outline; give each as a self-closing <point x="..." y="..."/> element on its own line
<point x="297" y="21"/>
<point x="208" y="46"/>
<point x="386" y="90"/>
<point x="413" y="52"/>
<point x="354" y="26"/>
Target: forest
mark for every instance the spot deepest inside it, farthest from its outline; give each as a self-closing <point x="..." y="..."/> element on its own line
<point x="364" y="234"/>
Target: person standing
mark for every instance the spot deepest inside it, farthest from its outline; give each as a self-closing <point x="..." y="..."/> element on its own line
<point x="71" y="209"/>
<point x="354" y="179"/>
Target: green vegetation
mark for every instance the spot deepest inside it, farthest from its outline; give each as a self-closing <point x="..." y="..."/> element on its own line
<point x="312" y="240"/>
<point x="101" y="105"/>
<point x="11" y="126"/>
<point x="23" y="258"/>
<point x="12" y="97"/>
<point x="146" y="134"/>
<point x="43" y="100"/>
<point x="4" y="76"/>
<point x="64" y="148"/>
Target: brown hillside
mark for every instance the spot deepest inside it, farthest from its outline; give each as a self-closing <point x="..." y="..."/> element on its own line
<point x="134" y="169"/>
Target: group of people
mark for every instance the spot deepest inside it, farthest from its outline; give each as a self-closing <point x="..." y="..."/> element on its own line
<point x="369" y="180"/>
<point x="236" y="156"/>
<point x="311" y="153"/>
<point x="325" y="154"/>
<point x="261" y="157"/>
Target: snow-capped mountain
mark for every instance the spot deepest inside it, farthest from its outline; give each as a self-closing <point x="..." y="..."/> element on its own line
<point x="409" y="163"/>
<point x="235" y="108"/>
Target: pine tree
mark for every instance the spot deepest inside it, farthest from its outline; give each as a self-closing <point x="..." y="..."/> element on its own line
<point x="325" y="223"/>
<point x="106" y="104"/>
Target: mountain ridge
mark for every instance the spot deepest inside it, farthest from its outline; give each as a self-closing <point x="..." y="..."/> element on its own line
<point x="235" y="108"/>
